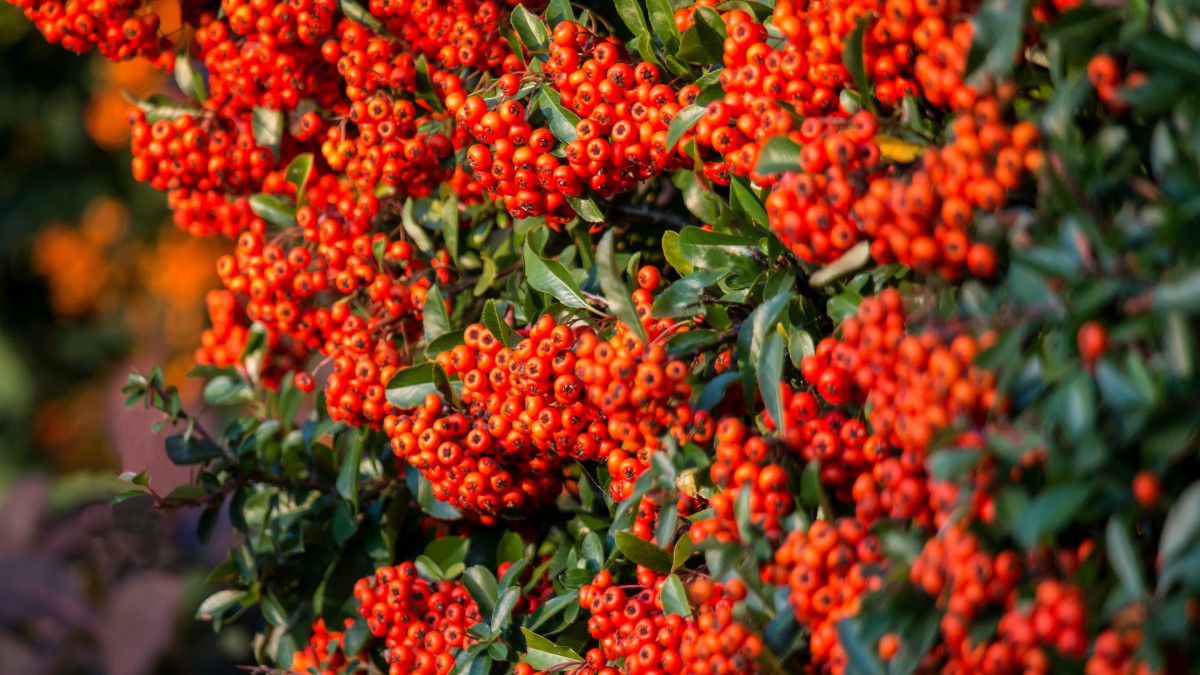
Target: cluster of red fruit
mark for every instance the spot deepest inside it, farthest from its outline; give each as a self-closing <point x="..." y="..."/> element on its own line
<point x="634" y="631"/>
<point x="558" y="394"/>
<point x="914" y="386"/>
<point x="423" y="624"/>
<point x="119" y="29"/>
<point x="827" y="570"/>
<point x="620" y="138"/>
<point x="325" y="654"/>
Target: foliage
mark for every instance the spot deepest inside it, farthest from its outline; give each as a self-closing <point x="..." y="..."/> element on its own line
<point x="849" y="337"/>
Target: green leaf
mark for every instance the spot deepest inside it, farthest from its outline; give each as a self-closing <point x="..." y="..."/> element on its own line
<point x="1182" y="527"/>
<point x="348" y="473"/>
<point x="498" y="326"/>
<point x="704" y="42"/>
<point x="543" y="654"/>
<point x="267" y="127"/>
<point x="511" y="547"/>
<point x="530" y="29"/>
<point x="502" y="615"/>
<point x="481" y="584"/>
<point x="999" y="25"/>
<point x="674" y="597"/>
<point x="753" y="334"/>
<point x="1124" y="559"/>
<point x="450" y="226"/>
<point x="642" y="552"/>
<point x="549" y="276"/>
<point x="187" y="492"/>
<point x="800" y="345"/>
<point x="770" y="379"/>
<point x="777" y="155"/>
<point x="683" y="121"/>
<point x="444" y="343"/>
<point x="714" y="390"/>
<point x="550" y="609"/>
<point x="273" y="210"/>
<point x="674" y="254"/>
<point x="619" y="299"/>
<point x="298" y="172"/>
<point x="189" y="80"/>
<point x="1049" y="511"/>
<point x="717" y="250"/>
<point x="559" y="11"/>
<point x="631" y="14"/>
<point x="409" y="387"/>
<point x="437" y="320"/>
<point x="1179" y="295"/>
<point x="853" y="57"/>
<point x="586" y="208"/>
<point x="356" y="12"/>
<point x="848" y="263"/>
<point x="191" y="450"/>
<point x="684" y="548"/>
<point x="686" y="296"/>
<point x="218" y="603"/>
<point x="448" y="551"/>
<point x="424" y="84"/>
<point x="662" y="21"/>
<point x="413" y="229"/>
<point x="860" y="658"/>
<point x="433" y="506"/>
<point x="562" y="122"/>
<point x="746" y="202"/>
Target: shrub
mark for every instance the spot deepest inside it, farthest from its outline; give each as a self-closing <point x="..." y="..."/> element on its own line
<point x="847" y="337"/>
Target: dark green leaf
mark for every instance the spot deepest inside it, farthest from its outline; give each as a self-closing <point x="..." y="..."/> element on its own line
<point x="450" y="226"/>
<point x="437" y="320"/>
<point x="1049" y="511"/>
<point x="684" y="548"/>
<point x="853" y="55"/>
<point x="662" y="20"/>
<point x="498" y="326"/>
<point x="348" y="474"/>
<point x="297" y="173"/>
<point x="615" y="292"/>
<point x="1182" y="527"/>
<point x="674" y="254"/>
<point x="530" y="29"/>
<point x="848" y="263"/>
<point x="999" y="25"/>
<point x="356" y="12"/>
<point x="267" y="127"/>
<point x="562" y="122"/>
<point x="190" y="81"/>
<point x="409" y="387"/>
<point x="642" y="552"/>
<point x="481" y="584"/>
<point x="1124" y="559"/>
<point x="686" y="296"/>
<point x="704" y="42"/>
<point x="770" y="379"/>
<point x="586" y="208"/>
<point x="191" y="450"/>
<point x="777" y="155"/>
<point x="631" y="13"/>
<point x="674" y="597"/>
<point x="543" y="654"/>
<point x="683" y="121"/>
<point x="549" y="276"/>
<point x="273" y="210"/>
<point x="559" y="11"/>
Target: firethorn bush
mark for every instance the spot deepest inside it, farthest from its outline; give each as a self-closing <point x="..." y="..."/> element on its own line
<point x="854" y="336"/>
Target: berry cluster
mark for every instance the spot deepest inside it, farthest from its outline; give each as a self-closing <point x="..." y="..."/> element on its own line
<point x="324" y="654"/>
<point x="827" y="569"/>
<point x="913" y="386"/>
<point x="633" y="630"/>
<point x="119" y="29"/>
<point x="423" y="624"/>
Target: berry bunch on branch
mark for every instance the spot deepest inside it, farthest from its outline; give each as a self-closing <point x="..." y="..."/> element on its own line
<point x="686" y="337"/>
